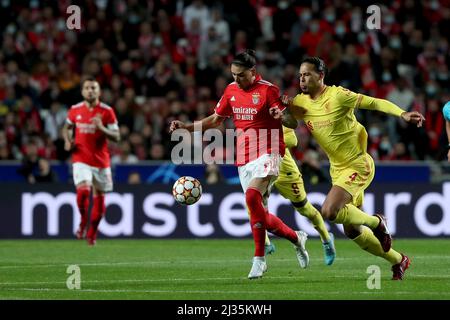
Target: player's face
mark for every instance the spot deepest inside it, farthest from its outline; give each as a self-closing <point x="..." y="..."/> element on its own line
<point x="90" y="91"/>
<point x="244" y="77"/>
<point x="310" y="79"/>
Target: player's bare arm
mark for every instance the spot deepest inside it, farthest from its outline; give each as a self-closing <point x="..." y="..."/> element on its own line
<point x="111" y="134"/>
<point x="213" y="121"/>
<point x="67" y="135"/>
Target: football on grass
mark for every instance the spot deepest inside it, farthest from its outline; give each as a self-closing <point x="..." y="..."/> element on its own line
<point x="187" y="190"/>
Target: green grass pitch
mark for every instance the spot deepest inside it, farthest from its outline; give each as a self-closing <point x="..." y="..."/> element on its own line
<point x="214" y="270"/>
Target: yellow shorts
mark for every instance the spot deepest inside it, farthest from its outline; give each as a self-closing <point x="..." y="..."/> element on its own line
<point x="355" y="177"/>
<point x="289" y="182"/>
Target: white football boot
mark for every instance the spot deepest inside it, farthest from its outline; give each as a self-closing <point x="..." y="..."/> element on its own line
<point x="300" y="248"/>
<point x="258" y="268"/>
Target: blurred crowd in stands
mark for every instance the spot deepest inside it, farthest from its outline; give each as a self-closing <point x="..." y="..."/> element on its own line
<point x="159" y="60"/>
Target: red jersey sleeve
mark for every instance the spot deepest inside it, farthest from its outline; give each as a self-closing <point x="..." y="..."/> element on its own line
<point x="223" y="107"/>
<point x="111" y="117"/>
<point x="273" y="98"/>
<point x="70" y="116"/>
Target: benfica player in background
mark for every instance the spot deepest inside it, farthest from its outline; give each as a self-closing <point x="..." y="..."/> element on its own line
<point x="94" y="123"/>
<point x="256" y="110"/>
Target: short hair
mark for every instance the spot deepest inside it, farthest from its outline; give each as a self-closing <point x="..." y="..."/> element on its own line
<point x="246" y="59"/>
<point x="88" y="78"/>
<point x="318" y="64"/>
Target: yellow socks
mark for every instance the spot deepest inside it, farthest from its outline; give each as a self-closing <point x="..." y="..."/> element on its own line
<point x="367" y="241"/>
<point x="310" y="212"/>
<point x="350" y="214"/>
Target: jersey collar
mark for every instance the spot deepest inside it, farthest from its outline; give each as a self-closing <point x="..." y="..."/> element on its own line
<point x="320" y="94"/>
<point x="87" y="107"/>
<point x="257" y="78"/>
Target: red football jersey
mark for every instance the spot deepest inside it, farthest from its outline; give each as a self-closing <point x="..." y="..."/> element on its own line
<point x="258" y="133"/>
<point x="91" y="146"/>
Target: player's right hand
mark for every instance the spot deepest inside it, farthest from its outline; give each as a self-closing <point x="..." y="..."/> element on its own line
<point x="276" y="113"/>
<point x="286" y="100"/>
<point x="68" y="145"/>
<point x="176" y="124"/>
<point x="413" y="117"/>
<point x="448" y="155"/>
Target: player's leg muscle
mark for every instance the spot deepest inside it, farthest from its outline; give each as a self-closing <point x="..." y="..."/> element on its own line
<point x="336" y="199"/>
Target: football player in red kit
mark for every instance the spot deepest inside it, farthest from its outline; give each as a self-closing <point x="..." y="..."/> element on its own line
<point x="94" y="123"/>
<point x="257" y="111"/>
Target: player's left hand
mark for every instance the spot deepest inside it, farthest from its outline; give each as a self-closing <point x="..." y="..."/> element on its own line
<point x="97" y="121"/>
<point x="448" y="155"/>
<point x="413" y="117"/>
<point x="275" y="112"/>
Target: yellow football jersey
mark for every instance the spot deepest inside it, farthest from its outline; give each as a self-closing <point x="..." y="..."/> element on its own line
<point x="331" y="120"/>
<point x="288" y="167"/>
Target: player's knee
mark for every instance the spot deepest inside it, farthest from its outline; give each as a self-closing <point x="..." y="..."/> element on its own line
<point x="252" y="197"/>
<point x="329" y="211"/>
<point x="351" y="231"/>
<point x="83" y="193"/>
<point x="84" y="184"/>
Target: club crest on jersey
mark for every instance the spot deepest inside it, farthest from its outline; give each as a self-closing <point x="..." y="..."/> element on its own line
<point x="255" y="97"/>
<point x="310" y="126"/>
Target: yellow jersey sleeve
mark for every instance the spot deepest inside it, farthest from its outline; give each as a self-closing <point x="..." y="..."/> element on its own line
<point x="382" y="105"/>
<point x="356" y="100"/>
<point x="347" y="98"/>
<point x="290" y="139"/>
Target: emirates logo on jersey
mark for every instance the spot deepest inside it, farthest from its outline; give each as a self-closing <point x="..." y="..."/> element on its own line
<point x="242" y="113"/>
<point x="78" y="117"/>
<point x="310" y="126"/>
<point x="86" y="127"/>
<point x="256" y="97"/>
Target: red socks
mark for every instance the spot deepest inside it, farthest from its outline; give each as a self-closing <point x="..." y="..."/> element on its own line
<point x="253" y="199"/>
<point x="260" y="220"/>
<point x="98" y="210"/>
<point x="83" y="203"/>
<point x="276" y="226"/>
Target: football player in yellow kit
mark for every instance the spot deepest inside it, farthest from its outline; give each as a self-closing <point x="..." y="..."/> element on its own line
<point x="328" y="112"/>
<point x="290" y="185"/>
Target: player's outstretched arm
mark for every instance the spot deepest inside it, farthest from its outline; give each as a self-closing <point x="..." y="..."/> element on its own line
<point x="370" y="103"/>
<point x="212" y="121"/>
